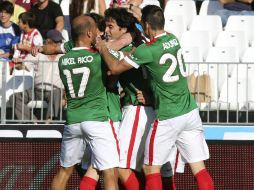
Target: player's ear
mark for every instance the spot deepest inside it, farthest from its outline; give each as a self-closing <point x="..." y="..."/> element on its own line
<point x="124" y="30"/>
<point x="89" y="33"/>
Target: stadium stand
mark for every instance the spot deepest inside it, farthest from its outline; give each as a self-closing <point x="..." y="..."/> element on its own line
<point x="176" y="25"/>
<point x="234" y="38"/>
<point x="199" y="39"/>
<point x="241" y="23"/>
<point x="210" y="23"/>
<point x="180" y="7"/>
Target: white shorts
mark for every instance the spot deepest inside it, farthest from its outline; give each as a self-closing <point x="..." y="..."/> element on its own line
<point x="134" y="127"/>
<point x="174" y="165"/>
<point x="185" y="131"/>
<point x="86" y="160"/>
<point x="100" y="138"/>
<point x="73" y="145"/>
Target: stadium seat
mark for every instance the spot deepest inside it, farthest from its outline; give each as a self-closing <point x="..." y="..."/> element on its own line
<point x="210" y="23"/>
<point x="209" y="7"/>
<point x="181" y="7"/>
<point x="37" y="104"/>
<point x="65" y="35"/>
<point x="234" y="94"/>
<point x="216" y="68"/>
<point x="20" y="80"/>
<point x="149" y="2"/>
<point x="248" y="56"/>
<point x="242" y="23"/>
<point x="235" y="39"/>
<point x="175" y="24"/>
<point x="198" y="39"/>
<point x="192" y="56"/>
<point x="4" y="68"/>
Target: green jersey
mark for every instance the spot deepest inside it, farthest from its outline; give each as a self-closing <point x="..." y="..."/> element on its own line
<point x="166" y="72"/>
<point x="82" y="73"/>
<point x="114" y="104"/>
<point x="133" y="80"/>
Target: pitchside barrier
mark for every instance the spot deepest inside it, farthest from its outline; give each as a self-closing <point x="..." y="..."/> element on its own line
<point x="30" y="158"/>
<point x="223" y="91"/>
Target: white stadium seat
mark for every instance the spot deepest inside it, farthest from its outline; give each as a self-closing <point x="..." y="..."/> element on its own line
<point x="209" y="7"/>
<point x="242" y="23"/>
<point x="20" y="80"/>
<point x="248" y="56"/>
<point x="65" y="35"/>
<point x="235" y="39"/>
<point x="210" y="23"/>
<point x="192" y="56"/>
<point x="216" y="69"/>
<point x="238" y="88"/>
<point x="199" y="39"/>
<point x="181" y="7"/>
<point x="175" y="24"/>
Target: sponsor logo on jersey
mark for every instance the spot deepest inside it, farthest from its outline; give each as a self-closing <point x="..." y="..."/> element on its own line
<point x="170" y="44"/>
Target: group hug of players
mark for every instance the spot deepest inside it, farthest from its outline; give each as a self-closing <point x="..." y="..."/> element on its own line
<point x="157" y="114"/>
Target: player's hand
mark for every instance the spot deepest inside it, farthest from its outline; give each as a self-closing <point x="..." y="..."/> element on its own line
<point x="36" y="49"/>
<point x="100" y="44"/>
<point x="143" y="98"/>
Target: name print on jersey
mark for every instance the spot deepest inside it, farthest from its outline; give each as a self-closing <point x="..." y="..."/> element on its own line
<point x="170" y="44"/>
<point x="70" y="61"/>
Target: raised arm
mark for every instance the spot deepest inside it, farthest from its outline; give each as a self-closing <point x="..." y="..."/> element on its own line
<point x="114" y="65"/>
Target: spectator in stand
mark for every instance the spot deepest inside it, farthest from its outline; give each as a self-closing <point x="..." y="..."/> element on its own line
<point x="9" y="31"/>
<point x="79" y="7"/>
<point x="17" y="11"/>
<point x="48" y="15"/>
<point x="235" y="7"/>
<point x="26" y="4"/>
<point x="47" y="84"/>
<point x="30" y="37"/>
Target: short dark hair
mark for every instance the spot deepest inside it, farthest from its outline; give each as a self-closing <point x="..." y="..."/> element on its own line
<point x="7" y="6"/>
<point x="27" y="18"/>
<point x="153" y="15"/>
<point x="124" y="19"/>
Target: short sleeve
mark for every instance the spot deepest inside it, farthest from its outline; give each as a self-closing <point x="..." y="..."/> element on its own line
<point x="57" y="11"/>
<point x="140" y="56"/>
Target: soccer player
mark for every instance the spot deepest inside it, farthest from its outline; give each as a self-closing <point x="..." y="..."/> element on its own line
<point x="177" y="119"/>
<point x="138" y="113"/>
<point x="82" y="74"/>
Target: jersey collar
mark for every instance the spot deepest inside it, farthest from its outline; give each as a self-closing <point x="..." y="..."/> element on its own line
<point x="160" y="35"/>
<point x="79" y="48"/>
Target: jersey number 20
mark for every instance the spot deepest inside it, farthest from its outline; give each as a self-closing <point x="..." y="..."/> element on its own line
<point x="82" y="70"/>
<point x="167" y="77"/>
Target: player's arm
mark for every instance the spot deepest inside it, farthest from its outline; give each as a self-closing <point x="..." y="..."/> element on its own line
<point x="123" y="41"/>
<point x="48" y="49"/>
<point x="114" y="65"/>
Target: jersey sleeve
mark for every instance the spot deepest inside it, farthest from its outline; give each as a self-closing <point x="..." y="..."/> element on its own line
<point x="116" y="54"/>
<point x="140" y="56"/>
